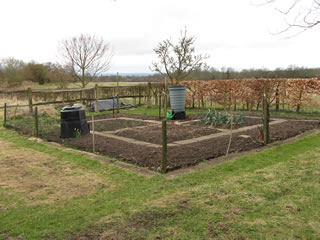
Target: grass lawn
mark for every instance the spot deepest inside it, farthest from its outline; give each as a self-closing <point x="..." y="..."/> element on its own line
<point x="48" y="194"/>
<point x="152" y="111"/>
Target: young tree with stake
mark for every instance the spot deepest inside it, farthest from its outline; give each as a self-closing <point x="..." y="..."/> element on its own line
<point x="177" y="61"/>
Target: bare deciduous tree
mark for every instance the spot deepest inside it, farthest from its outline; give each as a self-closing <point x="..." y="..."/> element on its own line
<point x="298" y="15"/>
<point x="177" y="61"/>
<point x="61" y="76"/>
<point x="88" y="56"/>
<point x="12" y="71"/>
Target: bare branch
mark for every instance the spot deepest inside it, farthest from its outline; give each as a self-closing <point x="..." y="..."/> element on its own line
<point x="299" y="16"/>
<point x="288" y="10"/>
<point x="177" y="61"/>
<point x="87" y="55"/>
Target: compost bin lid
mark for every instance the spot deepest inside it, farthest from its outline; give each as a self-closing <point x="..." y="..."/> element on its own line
<point x="72" y="108"/>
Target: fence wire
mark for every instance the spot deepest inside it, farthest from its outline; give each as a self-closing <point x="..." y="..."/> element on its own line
<point x="38" y="123"/>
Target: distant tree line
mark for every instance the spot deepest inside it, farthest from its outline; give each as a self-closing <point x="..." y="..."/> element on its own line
<point x="15" y="72"/>
<point x="132" y="78"/>
<point x="230" y="73"/>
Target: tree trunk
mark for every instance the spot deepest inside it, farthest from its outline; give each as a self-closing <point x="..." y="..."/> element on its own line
<point x="83" y="78"/>
<point x="277" y="100"/>
<point x="298" y="106"/>
<point x="258" y="105"/>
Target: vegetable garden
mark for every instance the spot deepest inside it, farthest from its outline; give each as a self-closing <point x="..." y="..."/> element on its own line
<point x="136" y="138"/>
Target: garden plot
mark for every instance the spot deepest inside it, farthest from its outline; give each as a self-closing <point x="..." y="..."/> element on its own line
<point x="175" y="132"/>
<point x="113" y="125"/>
<point x="137" y="139"/>
<point x="248" y="121"/>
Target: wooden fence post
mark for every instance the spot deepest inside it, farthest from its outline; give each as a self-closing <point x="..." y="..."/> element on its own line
<point x="149" y="95"/>
<point x="165" y="107"/>
<point x="80" y="95"/>
<point x="160" y="106"/>
<point x="155" y="96"/>
<point x="139" y="95"/>
<point x="164" y="167"/>
<point x="36" y="121"/>
<point x="266" y="120"/>
<point x="118" y="107"/>
<point x="93" y="140"/>
<point x="5" y="115"/>
<point x="96" y="95"/>
<point x="30" y="100"/>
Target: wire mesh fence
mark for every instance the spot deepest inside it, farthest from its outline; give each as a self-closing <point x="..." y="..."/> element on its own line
<point x="39" y="122"/>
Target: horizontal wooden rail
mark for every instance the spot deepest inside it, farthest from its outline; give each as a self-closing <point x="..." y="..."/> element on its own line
<point x="75" y="89"/>
<point x="66" y="101"/>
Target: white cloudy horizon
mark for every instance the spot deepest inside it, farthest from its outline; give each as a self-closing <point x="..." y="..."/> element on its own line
<point x="235" y="33"/>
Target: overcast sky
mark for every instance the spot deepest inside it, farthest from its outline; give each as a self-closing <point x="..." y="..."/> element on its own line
<point x="235" y="33"/>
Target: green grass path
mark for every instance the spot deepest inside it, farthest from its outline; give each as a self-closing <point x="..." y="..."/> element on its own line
<point x="274" y="194"/>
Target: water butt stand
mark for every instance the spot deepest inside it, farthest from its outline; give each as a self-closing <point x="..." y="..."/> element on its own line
<point x="178" y="101"/>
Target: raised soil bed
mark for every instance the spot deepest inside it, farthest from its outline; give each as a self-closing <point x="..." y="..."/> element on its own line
<point x="183" y="155"/>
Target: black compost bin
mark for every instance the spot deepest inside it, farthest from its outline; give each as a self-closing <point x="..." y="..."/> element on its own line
<point x="73" y="122"/>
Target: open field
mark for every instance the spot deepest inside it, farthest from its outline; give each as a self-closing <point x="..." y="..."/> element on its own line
<point x="90" y="85"/>
<point x="51" y="194"/>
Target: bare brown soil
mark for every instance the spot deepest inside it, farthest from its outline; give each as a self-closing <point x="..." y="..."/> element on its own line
<point x="181" y="155"/>
<point x="116" y="124"/>
<point x="181" y="130"/>
<point x="153" y="134"/>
